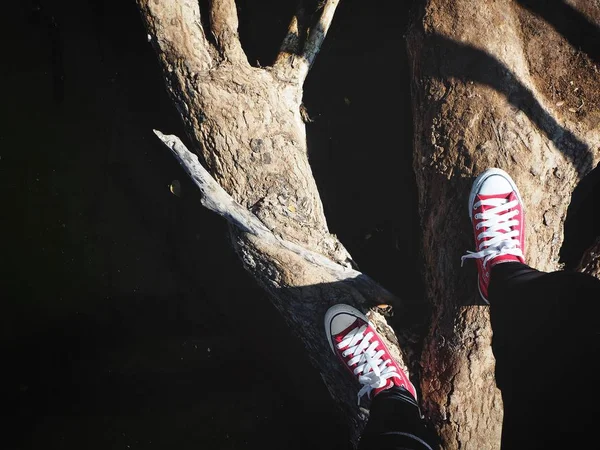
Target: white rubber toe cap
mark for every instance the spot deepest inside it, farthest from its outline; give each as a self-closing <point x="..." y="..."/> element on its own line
<point x="340" y="317"/>
<point x="495" y="185"/>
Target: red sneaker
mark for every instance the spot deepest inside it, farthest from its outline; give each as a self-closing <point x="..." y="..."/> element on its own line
<point x="496" y="212"/>
<point x="362" y="351"/>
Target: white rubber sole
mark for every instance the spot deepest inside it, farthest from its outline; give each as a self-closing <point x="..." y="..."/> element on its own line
<point x="481" y="179"/>
<point x="336" y="310"/>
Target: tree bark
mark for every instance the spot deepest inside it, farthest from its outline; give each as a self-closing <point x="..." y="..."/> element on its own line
<point x="493" y="86"/>
<point x="246" y="124"/>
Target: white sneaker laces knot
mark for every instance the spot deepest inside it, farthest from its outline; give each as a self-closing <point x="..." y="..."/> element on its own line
<point x="372" y="371"/>
<point x="498" y="220"/>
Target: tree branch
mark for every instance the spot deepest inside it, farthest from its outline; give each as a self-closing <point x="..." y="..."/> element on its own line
<point x="295" y="62"/>
<point x="224" y="25"/>
<point x="214" y="196"/>
<point x="292" y="42"/>
<point x="216" y="199"/>
<point x="315" y="38"/>
<point x="176" y="29"/>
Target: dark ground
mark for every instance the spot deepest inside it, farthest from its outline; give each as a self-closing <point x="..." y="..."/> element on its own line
<point x="128" y="321"/>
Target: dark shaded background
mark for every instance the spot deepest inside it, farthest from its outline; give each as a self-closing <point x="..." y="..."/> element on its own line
<point x="128" y="321"/>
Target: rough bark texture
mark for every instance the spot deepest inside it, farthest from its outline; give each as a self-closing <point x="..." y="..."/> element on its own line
<point x="247" y="126"/>
<point x="494" y="85"/>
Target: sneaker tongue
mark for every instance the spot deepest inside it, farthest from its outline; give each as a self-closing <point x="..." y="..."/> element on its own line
<point x="504" y="198"/>
<point x="507" y="197"/>
<point x="341" y="336"/>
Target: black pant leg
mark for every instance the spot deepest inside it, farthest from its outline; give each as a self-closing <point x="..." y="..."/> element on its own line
<point x="395" y="423"/>
<point x="546" y="343"/>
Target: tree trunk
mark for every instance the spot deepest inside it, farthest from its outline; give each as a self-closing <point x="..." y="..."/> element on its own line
<point x="247" y="125"/>
<point x="494" y="85"/>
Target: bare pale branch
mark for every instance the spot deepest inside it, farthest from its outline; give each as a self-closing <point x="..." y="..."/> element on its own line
<point x="224" y="25"/>
<point x="175" y="28"/>
<point x="216" y="199"/>
<point x="315" y="38"/>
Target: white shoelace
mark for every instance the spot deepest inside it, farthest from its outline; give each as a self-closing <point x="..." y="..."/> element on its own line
<point x="372" y="371"/>
<point x="503" y="240"/>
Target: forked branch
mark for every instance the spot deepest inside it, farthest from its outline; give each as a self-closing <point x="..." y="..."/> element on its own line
<point x="295" y="59"/>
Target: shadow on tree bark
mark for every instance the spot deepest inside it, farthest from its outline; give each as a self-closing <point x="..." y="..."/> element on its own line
<point x="467" y="63"/>
<point x="570" y="23"/>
